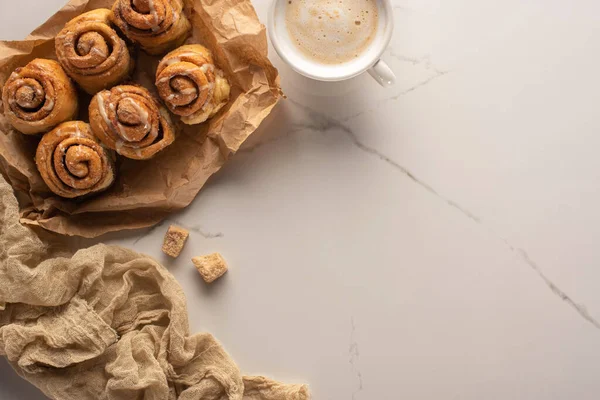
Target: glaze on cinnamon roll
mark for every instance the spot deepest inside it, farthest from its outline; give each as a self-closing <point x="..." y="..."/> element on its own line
<point x="190" y="84"/>
<point x="72" y="162"/>
<point x="92" y="53"/>
<point x="131" y="121"/>
<point x="157" y="25"/>
<point x="38" y="97"/>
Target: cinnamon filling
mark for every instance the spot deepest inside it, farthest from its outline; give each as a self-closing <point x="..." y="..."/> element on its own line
<point x="146" y="15"/>
<point x="30" y="98"/>
<point x="186" y="90"/>
<point x="184" y="86"/>
<point x="94" y="47"/>
<point x="78" y="162"/>
<point x="133" y="122"/>
<point x="128" y="114"/>
<point x="75" y="166"/>
<point x="141" y="6"/>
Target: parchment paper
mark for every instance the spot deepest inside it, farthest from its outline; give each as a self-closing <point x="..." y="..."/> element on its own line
<point x="147" y="191"/>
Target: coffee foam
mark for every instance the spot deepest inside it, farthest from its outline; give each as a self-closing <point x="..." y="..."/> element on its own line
<point x="332" y="31"/>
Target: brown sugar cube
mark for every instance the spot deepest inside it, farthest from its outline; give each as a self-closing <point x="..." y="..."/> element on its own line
<point x="174" y="240"/>
<point x="211" y="266"/>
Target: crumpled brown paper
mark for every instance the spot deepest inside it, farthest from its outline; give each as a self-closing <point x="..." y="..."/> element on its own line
<point x="147" y="191"/>
<point x="107" y="323"/>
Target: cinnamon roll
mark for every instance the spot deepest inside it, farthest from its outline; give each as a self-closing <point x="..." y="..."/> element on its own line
<point x="157" y="25"/>
<point x="190" y="84"/>
<point x="38" y="97"/>
<point x="72" y="162"/>
<point x="131" y="121"/>
<point x="92" y="52"/>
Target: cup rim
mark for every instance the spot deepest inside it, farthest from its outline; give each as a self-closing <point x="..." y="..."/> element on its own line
<point x="387" y="36"/>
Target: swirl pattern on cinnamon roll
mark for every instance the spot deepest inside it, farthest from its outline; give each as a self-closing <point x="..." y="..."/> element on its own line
<point x="131" y="121"/>
<point x="157" y="25"/>
<point x="92" y="52"/>
<point x="38" y="97"/>
<point x="72" y="162"/>
<point x="190" y="84"/>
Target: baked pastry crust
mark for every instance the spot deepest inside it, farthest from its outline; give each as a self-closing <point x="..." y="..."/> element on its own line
<point x="72" y="162"/>
<point x="156" y="25"/>
<point x="39" y="96"/>
<point x="190" y="85"/>
<point x="92" y="53"/>
<point x="129" y="120"/>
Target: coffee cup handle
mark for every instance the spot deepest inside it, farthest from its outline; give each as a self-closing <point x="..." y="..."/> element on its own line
<point x="382" y="74"/>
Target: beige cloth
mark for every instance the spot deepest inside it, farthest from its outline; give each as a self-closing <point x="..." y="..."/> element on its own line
<point x="107" y="323"/>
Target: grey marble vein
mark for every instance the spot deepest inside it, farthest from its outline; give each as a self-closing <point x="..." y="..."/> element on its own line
<point x="149" y="231"/>
<point x="402" y="8"/>
<point x="400" y="57"/>
<point x="438" y="73"/>
<point x="424" y="60"/>
<point x="252" y="148"/>
<point x="198" y="229"/>
<point x="580" y="308"/>
<point x="193" y="228"/>
<point x="320" y="122"/>
<point x="354" y="354"/>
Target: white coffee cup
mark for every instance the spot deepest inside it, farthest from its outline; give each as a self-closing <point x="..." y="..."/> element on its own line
<point x="369" y="61"/>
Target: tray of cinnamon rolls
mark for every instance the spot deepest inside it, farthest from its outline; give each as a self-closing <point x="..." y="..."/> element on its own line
<point x="125" y="94"/>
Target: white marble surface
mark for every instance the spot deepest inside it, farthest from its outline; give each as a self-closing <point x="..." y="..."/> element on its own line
<point x="435" y="240"/>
